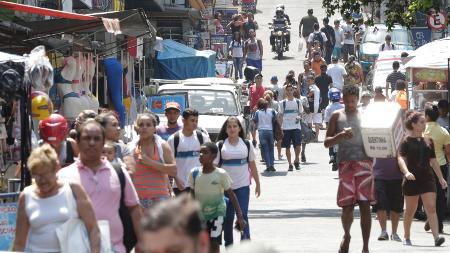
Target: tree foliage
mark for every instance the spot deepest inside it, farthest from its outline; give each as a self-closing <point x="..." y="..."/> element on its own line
<point x="401" y="12"/>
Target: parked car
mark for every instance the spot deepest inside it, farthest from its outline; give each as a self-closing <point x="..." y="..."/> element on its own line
<point x="214" y="98"/>
<point x="374" y="37"/>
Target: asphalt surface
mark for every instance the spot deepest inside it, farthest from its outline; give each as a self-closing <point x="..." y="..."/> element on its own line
<point x="297" y="211"/>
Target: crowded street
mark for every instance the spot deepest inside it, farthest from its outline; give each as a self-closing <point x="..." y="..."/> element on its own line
<point x="250" y="126"/>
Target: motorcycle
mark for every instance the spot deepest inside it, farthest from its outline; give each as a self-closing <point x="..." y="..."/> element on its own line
<point x="279" y="34"/>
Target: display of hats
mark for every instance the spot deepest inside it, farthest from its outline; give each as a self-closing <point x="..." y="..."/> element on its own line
<point x="41" y="105"/>
<point x="53" y="129"/>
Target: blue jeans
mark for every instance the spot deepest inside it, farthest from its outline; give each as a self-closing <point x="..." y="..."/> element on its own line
<point x="266" y="140"/>
<point x="243" y="197"/>
<point x="237" y="62"/>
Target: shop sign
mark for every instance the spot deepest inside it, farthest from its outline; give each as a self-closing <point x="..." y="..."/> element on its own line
<point x="429" y="75"/>
<point x="8" y="213"/>
<point x="157" y="104"/>
<point x="421" y="35"/>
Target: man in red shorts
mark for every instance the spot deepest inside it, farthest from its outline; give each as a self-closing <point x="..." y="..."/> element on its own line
<point x="356" y="182"/>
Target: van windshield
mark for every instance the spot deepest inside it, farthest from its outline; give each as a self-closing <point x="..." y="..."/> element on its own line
<point x="212" y="102"/>
<point x="399" y="36"/>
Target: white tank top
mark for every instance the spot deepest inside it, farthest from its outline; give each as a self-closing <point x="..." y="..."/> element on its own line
<point x="44" y="216"/>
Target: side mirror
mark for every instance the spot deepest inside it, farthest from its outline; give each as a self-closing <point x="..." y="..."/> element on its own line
<point x="247" y="111"/>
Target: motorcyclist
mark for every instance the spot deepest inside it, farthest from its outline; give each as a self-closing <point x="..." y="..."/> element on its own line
<point x="280" y="23"/>
<point x="284" y="13"/>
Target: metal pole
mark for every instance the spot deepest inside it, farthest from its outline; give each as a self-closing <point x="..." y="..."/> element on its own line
<point x="448" y="83"/>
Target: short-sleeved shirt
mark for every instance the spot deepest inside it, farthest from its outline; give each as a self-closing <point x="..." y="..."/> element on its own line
<point x="393" y="77"/>
<point x="188" y="153"/>
<point x="330" y="109"/>
<point x="440" y="138"/>
<point x="386" y="47"/>
<point x="103" y="188"/>
<point x="386" y="169"/>
<point x="122" y="150"/>
<point x="264" y="119"/>
<point x="290" y="112"/>
<point x="315" y="66"/>
<point x="353" y="74"/>
<point x="308" y="24"/>
<point x="237" y="48"/>
<point x="337" y="73"/>
<point x="255" y="94"/>
<point x="349" y="34"/>
<point x="209" y="191"/>
<point x="277" y="90"/>
<point x="418" y="154"/>
<point x="323" y="81"/>
<point x="234" y="162"/>
<point x="311" y="37"/>
<point x="165" y="132"/>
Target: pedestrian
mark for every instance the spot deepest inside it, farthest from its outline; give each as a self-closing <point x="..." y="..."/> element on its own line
<point x="278" y="91"/>
<point x="237" y="158"/>
<point x="335" y="96"/>
<point x="388" y="189"/>
<point x="379" y="97"/>
<point x="392" y="78"/>
<point x="366" y="98"/>
<point x="316" y="63"/>
<point x="256" y="92"/>
<point x="307" y="23"/>
<point x="306" y="118"/>
<point x="418" y="171"/>
<point x="209" y="184"/>
<point x="443" y="114"/>
<point x="154" y="162"/>
<point x="303" y="86"/>
<point x="275" y="105"/>
<point x="264" y="118"/>
<point x="387" y="45"/>
<point x="250" y="24"/>
<point x="172" y="113"/>
<point x="314" y="105"/>
<point x="337" y="73"/>
<point x="441" y="142"/>
<point x="339" y="39"/>
<point x="354" y="70"/>
<point x="356" y="184"/>
<point x="236" y="49"/>
<point x="218" y="22"/>
<point x="324" y="82"/>
<point x="290" y="79"/>
<point x="253" y="51"/>
<point x="399" y="95"/>
<point x="349" y="39"/>
<point x="102" y="183"/>
<point x="174" y="224"/>
<point x="185" y="145"/>
<point x="43" y="206"/>
<point x="331" y="39"/>
<point x="317" y="36"/>
<point x="290" y="115"/>
<point x="360" y="31"/>
<point x="235" y="25"/>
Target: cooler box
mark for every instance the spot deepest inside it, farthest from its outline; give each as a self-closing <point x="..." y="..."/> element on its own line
<point x="382" y="129"/>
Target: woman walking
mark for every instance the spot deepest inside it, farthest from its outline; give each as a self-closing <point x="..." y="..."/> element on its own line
<point x="154" y="161"/>
<point x="417" y="160"/>
<point x="237" y="157"/>
<point x="264" y="119"/>
<point x="236" y="50"/>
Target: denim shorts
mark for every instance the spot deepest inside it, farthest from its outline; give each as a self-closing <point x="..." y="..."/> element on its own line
<point x="293" y="136"/>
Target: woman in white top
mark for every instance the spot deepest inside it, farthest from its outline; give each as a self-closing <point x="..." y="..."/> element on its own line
<point x="264" y="119"/>
<point x="44" y="206"/>
<point x="236" y="50"/>
<point x="237" y="158"/>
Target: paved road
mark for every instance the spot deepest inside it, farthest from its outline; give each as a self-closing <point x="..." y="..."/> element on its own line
<point x="297" y="211"/>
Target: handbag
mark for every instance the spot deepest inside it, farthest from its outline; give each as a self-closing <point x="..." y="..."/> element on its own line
<point x="72" y="234"/>
<point x="277" y="131"/>
<point x="308" y="134"/>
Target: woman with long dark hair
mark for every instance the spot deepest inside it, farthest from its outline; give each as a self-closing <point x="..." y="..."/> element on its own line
<point x="237" y="157"/>
<point x="264" y="118"/>
<point x="236" y="50"/>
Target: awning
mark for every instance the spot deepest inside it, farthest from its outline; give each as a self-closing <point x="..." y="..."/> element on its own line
<point x="176" y="13"/>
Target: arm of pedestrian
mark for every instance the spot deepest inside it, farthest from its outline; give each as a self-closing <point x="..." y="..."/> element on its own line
<point x="167" y="167"/>
<point x="179" y="183"/>
<point x="404" y="168"/>
<point x="22" y="226"/>
<point x="136" y="215"/>
<point x="447" y="151"/>
<point x="130" y="164"/>
<point x="437" y="169"/>
<point x="255" y="176"/>
<point x="237" y="207"/>
<point x="261" y="50"/>
<point x="87" y="215"/>
<point x="332" y="137"/>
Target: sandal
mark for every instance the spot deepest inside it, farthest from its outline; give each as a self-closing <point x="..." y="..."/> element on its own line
<point x="345" y="244"/>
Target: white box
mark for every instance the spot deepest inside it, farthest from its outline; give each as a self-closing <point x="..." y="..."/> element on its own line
<point x="382" y="129"/>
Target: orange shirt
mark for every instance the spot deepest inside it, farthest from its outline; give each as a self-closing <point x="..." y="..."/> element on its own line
<point x="315" y="65"/>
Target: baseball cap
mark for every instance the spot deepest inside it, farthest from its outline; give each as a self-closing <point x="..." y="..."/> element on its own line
<point x="259" y="74"/>
<point x="274" y="78"/>
<point x="172" y="105"/>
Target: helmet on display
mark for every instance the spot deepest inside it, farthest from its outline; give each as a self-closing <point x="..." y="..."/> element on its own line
<point x="41" y="105"/>
<point x="53" y="129"/>
<point x="334" y="94"/>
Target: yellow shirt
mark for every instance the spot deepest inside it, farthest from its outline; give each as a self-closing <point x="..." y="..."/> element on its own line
<point x="440" y="139"/>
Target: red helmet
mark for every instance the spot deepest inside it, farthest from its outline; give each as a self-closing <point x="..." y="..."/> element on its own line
<point x="53" y="129"/>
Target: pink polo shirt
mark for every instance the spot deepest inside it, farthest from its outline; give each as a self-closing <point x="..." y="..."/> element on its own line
<point x="103" y="189"/>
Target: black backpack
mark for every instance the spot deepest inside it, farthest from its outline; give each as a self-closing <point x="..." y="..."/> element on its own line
<point x="176" y="141"/>
<point x="220" y="145"/>
<point x="318" y="36"/>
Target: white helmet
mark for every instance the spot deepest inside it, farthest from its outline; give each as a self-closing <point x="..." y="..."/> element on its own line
<point x="280" y="6"/>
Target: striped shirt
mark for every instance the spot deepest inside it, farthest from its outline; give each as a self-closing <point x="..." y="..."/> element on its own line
<point x="393" y="77"/>
<point x="151" y="185"/>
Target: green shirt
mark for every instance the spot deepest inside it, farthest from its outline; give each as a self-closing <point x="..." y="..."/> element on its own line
<point x="209" y="191"/>
<point x="440" y="138"/>
<point x="308" y="24"/>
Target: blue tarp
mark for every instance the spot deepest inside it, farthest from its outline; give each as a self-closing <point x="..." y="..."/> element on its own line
<point x="178" y="62"/>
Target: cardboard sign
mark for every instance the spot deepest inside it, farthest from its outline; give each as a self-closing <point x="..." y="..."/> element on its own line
<point x="157" y="104"/>
<point x="8" y="213"/>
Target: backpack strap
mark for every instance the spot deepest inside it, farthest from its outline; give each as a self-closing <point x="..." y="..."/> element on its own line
<point x="199" y="136"/>
<point x="247" y="143"/>
<point x="284" y="105"/>
<point x="176" y="142"/>
<point x="220" y="146"/>
<point x="121" y="176"/>
<point x="382" y="47"/>
<point x="195" y="172"/>
<point x="69" y="153"/>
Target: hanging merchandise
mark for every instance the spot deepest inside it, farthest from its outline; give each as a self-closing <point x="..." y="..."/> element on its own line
<point x="10" y="77"/>
<point x="41" y="105"/>
<point x="53" y="129"/>
<point x="38" y="70"/>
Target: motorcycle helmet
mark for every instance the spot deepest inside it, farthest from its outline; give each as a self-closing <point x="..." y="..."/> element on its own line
<point x="279" y="11"/>
<point x="334" y="94"/>
<point x="281" y="6"/>
<point x="53" y="129"/>
<point x="41" y="105"/>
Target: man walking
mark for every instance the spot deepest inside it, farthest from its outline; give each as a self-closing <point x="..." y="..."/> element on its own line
<point x="324" y="82"/>
<point x="356" y="182"/>
<point x="256" y="92"/>
<point x="317" y="36"/>
<point x="392" y="78"/>
<point x="337" y="73"/>
<point x="339" y="39"/>
<point x="308" y="27"/>
<point x="291" y="110"/>
<point x="102" y="184"/>
<point x="253" y="51"/>
<point x="349" y="39"/>
<point x="172" y="112"/>
<point x="331" y="40"/>
<point x="387" y="45"/>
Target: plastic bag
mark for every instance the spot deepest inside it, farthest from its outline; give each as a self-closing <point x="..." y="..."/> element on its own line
<point x="300" y="45"/>
<point x="38" y="70"/>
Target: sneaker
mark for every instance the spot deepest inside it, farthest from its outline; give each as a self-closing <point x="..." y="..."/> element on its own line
<point x="439" y="241"/>
<point x="332" y="159"/>
<point x="272" y="169"/>
<point x="407" y="242"/>
<point x="254" y="143"/>
<point x="267" y="170"/>
<point x="297" y="165"/>
<point x="395" y="237"/>
<point x="303" y="158"/>
<point x="291" y="168"/>
<point x="383" y="236"/>
<point x="426" y="227"/>
<point x="334" y="167"/>
<point x="262" y="161"/>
